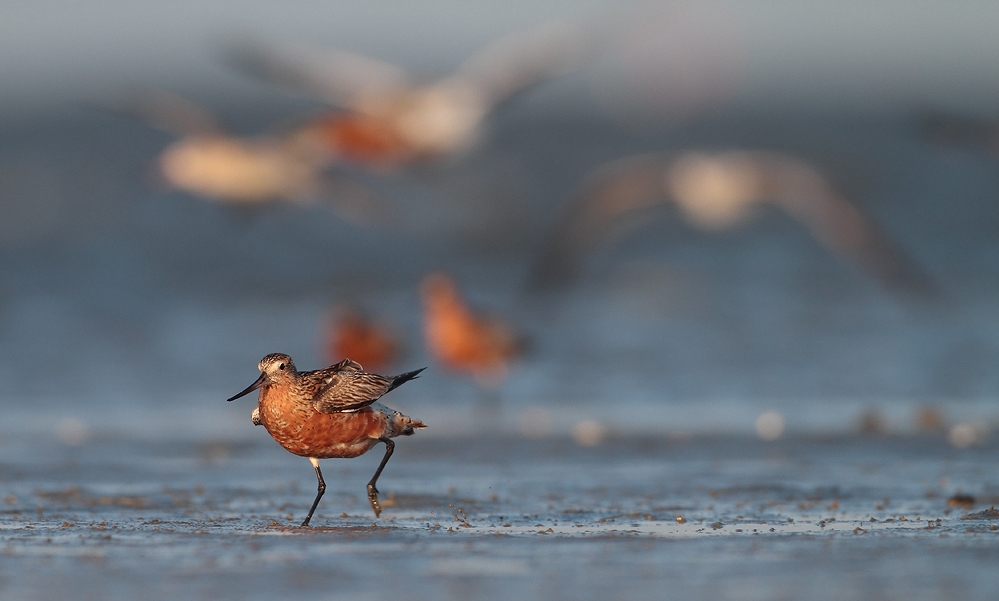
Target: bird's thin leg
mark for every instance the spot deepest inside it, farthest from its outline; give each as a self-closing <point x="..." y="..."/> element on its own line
<point x="372" y="491"/>
<point x="322" y="489"/>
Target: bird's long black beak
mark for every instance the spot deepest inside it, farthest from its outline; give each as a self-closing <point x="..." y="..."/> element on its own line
<point x="260" y="382"/>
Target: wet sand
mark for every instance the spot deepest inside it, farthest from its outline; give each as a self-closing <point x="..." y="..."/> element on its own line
<point x="508" y="517"/>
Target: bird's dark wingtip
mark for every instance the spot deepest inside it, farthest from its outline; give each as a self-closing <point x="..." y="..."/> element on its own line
<point x="403" y="378"/>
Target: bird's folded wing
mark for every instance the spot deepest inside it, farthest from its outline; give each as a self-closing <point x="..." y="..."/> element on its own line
<point x="350" y="390"/>
<point x="346" y="365"/>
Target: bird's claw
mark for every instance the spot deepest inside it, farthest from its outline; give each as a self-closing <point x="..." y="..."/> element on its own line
<point x="373" y="499"/>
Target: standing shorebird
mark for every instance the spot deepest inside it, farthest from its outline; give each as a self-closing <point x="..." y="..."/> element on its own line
<point x="352" y="333"/>
<point x="463" y="340"/>
<point x="329" y="413"/>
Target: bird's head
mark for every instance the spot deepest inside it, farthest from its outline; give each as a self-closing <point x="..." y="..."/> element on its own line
<point x="274" y="368"/>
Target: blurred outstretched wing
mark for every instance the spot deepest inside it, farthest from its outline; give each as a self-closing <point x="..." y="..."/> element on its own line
<point x="518" y="61"/>
<point x="612" y="201"/>
<point x="349" y="390"/>
<point x="339" y="78"/>
<point x="837" y="223"/>
<point x="714" y="190"/>
<point x="161" y="109"/>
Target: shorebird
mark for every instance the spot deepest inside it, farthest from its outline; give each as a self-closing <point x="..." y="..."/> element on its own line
<point x="245" y="171"/>
<point x="462" y="340"/>
<point x="387" y="120"/>
<point x="716" y="191"/>
<point x="351" y="333"/>
<point x="329" y="413"/>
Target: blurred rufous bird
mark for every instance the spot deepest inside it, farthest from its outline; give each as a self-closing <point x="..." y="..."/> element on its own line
<point x="716" y="191"/>
<point x="351" y="333"/>
<point x="462" y="340"/>
<point x="244" y="171"/>
<point x="387" y="120"/>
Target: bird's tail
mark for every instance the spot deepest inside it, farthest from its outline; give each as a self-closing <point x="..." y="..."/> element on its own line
<point x="413" y="425"/>
<point x="403" y="378"/>
<point x="403" y="425"/>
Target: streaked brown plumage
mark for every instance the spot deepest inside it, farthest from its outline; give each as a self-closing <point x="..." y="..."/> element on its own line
<point x="329" y="413"/>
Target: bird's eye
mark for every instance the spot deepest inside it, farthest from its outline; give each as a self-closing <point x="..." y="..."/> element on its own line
<point x="281" y="366"/>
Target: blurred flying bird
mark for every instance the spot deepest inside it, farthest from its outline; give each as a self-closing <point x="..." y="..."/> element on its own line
<point x="353" y="334"/>
<point x="329" y="413"/>
<point x="387" y="120"/>
<point x="715" y="191"/>
<point x="948" y="129"/>
<point x="462" y="340"/>
<point x="207" y="161"/>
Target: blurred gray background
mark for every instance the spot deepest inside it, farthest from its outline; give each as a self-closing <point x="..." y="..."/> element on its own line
<point x="127" y="308"/>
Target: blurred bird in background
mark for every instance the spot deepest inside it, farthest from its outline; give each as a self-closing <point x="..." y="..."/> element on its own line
<point x="462" y="340"/>
<point x="716" y="191"/>
<point x="353" y="334"/>
<point x="949" y="129"/>
<point x="386" y="120"/>
<point x="239" y="171"/>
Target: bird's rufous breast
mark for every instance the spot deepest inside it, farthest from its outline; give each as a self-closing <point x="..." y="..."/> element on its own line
<point x="362" y="139"/>
<point x="303" y="431"/>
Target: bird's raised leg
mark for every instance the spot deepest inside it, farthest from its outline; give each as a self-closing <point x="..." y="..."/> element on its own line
<point x="322" y="488"/>
<point x="372" y="491"/>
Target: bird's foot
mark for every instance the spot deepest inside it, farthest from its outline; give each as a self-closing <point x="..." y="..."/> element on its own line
<point x="373" y="499"/>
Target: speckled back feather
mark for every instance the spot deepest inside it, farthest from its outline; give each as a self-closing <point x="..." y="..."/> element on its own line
<point x="346" y="387"/>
